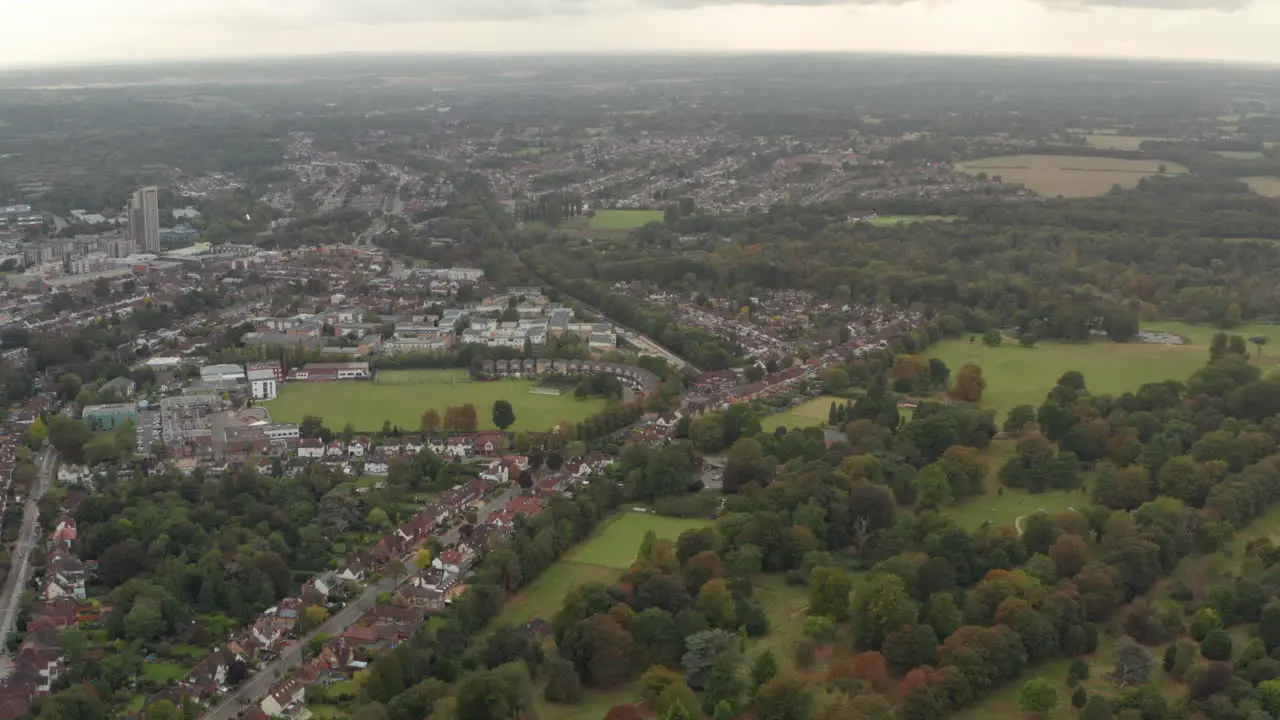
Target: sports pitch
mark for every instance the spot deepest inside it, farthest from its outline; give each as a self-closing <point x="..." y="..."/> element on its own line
<point x="401" y="397"/>
<point x="624" y="219"/>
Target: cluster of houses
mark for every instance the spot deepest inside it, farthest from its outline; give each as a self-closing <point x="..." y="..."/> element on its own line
<point x="424" y="591"/>
<point x="39" y="659"/>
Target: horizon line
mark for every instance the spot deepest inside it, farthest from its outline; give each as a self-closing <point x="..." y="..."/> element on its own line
<point x="129" y="63"/>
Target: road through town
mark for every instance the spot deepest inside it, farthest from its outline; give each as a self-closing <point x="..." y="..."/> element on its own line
<point x="20" y="567"/>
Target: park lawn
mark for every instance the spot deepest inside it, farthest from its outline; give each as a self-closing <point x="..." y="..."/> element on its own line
<point x="544" y="597"/>
<point x="787" y="607"/>
<point x="601" y="558"/>
<point x="896" y="220"/>
<point x="1005" y="508"/>
<point x="1069" y="175"/>
<point x="810" y="413"/>
<point x="368" y="405"/>
<point x="1017" y="375"/>
<point x="1201" y="335"/>
<point x="594" y="704"/>
<point x="163" y="671"/>
<point x="616" y="543"/>
<point x="624" y="219"/>
<point x="1003" y="702"/>
<point x="1199" y="572"/>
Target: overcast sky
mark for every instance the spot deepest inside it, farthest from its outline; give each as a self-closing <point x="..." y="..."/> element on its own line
<point x="68" y="32"/>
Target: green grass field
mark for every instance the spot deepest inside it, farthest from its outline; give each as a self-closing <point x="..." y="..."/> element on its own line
<point x="421" y="377"/>
<point x="163" y="671"/>
<point x="624" y="219"/>
<point x="810" y="413"/>
<point x="1069" y="175"/>
<point x="367" y="405"/>
<point x="615" y="544"/>
<point x="1016" y="375"/>
<point x="1239" y="154"/>
<point x="1005" y="508"/>
<point x="896" y="220"/>
<point x="602" y="558"/>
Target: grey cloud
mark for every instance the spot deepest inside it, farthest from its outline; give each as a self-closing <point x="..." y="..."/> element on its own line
<point x="303" y="13"/>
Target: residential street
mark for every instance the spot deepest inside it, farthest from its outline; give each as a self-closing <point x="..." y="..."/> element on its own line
<point x="20" y="570"/>
<point x="256" y="686"/>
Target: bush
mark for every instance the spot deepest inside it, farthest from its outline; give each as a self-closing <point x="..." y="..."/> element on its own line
<point x="806" y="653"/>
<point x="1079" y="698"/>
<point x="1077" y="671"/>
<point x="820" y="628"/>
<point x="1216" y="645"/>
<point x="1203" y="622"/>
<point x="563" y="685"/>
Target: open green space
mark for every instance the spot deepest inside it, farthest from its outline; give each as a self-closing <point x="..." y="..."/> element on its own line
<point x="1017" y="375"/>
<point x="1267" y="186"/>
<point x="1069" y="175"/>
<point x="594" y="705"/>
<point x="616" y="543"/>
<point x="602" y="558"/>
<point x="367" y="405"/>
<point x="810" y="413"/>
<point x="422" y="377"/>
<point x="163" y="671"/>
<point x="1004" y="508"/>
<point x="532" y="151"/>
<point x="624" y="219"/>
<point x="896" y="220"/>
<point x="1239" y="154"/>
<point x="1201" y="335"/>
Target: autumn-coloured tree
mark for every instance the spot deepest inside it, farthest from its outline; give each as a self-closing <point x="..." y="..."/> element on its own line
<point x="871" y="668"/>
<point x="701" y="569"/>
<point x="969" y="384"/>
<point x="429" y="424"/>
<point x="468" y="421"/>
<point x="452" y="419"/>
<point x="909" y="367"/>
<point x="1069" y="554"/>
<point x="914" y="680"/>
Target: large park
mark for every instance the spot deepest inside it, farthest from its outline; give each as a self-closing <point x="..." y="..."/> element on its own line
<point x="400" y="397"/>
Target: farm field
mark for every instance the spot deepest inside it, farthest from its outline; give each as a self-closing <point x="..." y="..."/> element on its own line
<point x="602" y="558"/>
<point x="1067" y="175"/>
<point x="1239" y="154"/>
<point x="811" y="413"/>
<point x="1267" y="186"/>
<point x="624" y="219"/>
<point x="1108" y="141"/>
<point x="367" y="405"/>
<point x="896" y="220"/>
<point x="1016" y="375"/>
